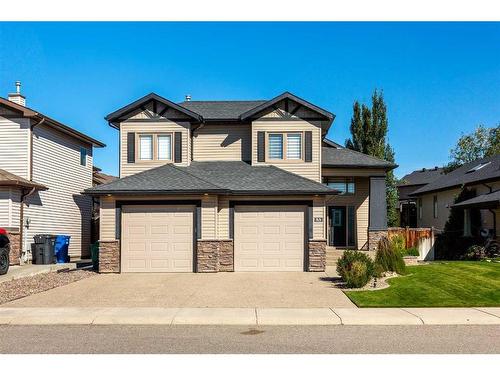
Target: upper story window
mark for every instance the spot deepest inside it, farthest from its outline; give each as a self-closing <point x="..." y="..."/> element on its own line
<point x="285" y="146"/>
<point x="154" y="147"/>
<point x="83" y="156"/>
<point x="345" y="185"/>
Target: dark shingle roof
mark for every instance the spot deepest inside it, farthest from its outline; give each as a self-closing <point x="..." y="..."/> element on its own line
<point x="221" y="110"/>
<point x="465" y="175"/>
<point x="490" y="200"/>
<point x="340" y="157"/>
<point x="421" y="176"/>
<point x="224" y="177"/>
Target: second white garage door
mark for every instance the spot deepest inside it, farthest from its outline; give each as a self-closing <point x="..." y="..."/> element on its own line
<point x="157" y="239"/>
<point x="269" y="238"/>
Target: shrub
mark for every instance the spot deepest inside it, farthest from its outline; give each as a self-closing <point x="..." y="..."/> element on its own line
<point x="355" y="268"/>
<point x="412" y="251"/>
<point x="398" y="243"/>
<point x="389" y="258"/>
<point x="475" y="252"/>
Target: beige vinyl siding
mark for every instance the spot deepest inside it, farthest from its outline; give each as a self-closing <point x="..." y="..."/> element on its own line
<point x="61" y="209"/>
<point x="5" y="207"/>
<point x="223" y="218"/>
<point x="361" y="201"/>
<point x="14" y="145"/>
<point x="352" y="172"/>
<point x="127" y="169"/>
<point x="222" y="142"/>
<point x="444" y="200"/>
<point x="107" y="222"/>
<point x="319" y="212"/>
<point x="209" y="217"/>
<point x="310" y="170"/>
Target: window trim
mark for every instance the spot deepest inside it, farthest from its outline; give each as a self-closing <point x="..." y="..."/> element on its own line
<point x="346" y="181"/>
<point x="420" y="209"/>
<point x="155" y="158"/>
<point x="435" y="206"/>
<point x="83" y="156"/>
<point x="284" y="135"/>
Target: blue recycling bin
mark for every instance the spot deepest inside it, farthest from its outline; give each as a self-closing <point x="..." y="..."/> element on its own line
<point x="61" y="248"/>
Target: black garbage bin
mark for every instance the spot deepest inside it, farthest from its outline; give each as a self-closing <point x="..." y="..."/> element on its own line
<point x="43" y="252"/>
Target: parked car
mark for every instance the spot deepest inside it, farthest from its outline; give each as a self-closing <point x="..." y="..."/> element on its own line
<point x="4" y="251"/>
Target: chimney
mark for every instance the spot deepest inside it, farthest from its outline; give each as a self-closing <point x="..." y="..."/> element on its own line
<point x="17" y="97"/>
<point x="188" y="98"/>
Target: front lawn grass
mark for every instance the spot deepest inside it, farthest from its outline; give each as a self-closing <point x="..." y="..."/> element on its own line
<point x="439" y="284"/>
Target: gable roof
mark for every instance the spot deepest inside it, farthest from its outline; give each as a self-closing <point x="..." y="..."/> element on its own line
<point x="222" y="177"/>
<point x="335" y="156"/>
<point x="30" y="113"/>
<point x="146" y="99"/>
<point x="10" y="179"/>
<point x="222" y="110"/>
<point x="490" y="200"/>
<point x="465" y="175"/>
<point x="286" y="95"/>
<point x="421" y="176"/>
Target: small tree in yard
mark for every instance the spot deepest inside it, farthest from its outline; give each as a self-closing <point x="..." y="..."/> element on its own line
<point x="368" y="135"/>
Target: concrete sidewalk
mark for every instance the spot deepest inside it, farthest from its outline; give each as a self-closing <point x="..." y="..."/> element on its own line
<point x="248" y="316"/>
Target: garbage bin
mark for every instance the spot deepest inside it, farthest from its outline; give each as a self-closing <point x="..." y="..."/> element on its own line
<point x="44" y="249"/>
<point x="61" y="248"/>
<point x="94" y="252"/>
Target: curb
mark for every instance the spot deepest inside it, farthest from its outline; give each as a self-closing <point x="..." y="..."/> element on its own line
<point x="249" y="316"/>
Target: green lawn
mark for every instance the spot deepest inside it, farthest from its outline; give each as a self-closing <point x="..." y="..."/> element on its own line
<point x="439" y="284"/>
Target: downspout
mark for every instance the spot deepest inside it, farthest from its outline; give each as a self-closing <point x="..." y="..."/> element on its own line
<point x="24" y="196"/>
<point x="22" y="233"/>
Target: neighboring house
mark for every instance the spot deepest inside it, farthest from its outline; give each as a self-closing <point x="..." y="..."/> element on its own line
<point x="45" y="165"/>
<point x="435" y="199"/>
<point x="98" y="178"/>
<point x="210" y="186"/>
<point x="407" y="185"/>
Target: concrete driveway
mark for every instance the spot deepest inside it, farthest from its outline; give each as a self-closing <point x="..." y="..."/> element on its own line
<point x="238" y="289"/>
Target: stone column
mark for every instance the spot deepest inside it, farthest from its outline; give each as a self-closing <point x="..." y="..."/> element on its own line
<point x="109" y="256"/>
<point x="317" y="255"/>
<point x="15" y="248"/>
<point x="207" y="256"/>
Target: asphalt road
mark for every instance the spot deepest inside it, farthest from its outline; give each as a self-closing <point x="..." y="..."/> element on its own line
<point x="240" y="339"/>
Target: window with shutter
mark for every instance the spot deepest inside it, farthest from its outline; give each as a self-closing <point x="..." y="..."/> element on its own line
<point x="275" y="146"/>
<point x="146" y="147"/>
<point x="164" y="144"/>
<point x="294" y="146"/>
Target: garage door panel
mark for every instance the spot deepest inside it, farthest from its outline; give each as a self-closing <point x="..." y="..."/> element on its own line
<point x="269" y="238"/>
<point x="157" y="238"/>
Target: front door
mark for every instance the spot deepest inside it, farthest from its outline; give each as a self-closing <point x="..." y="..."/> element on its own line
<point x="338" y="224"/>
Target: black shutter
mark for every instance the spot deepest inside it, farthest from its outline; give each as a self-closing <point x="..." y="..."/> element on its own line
<point x="308" y="146"/>
<point x="178" y="148"/>
<point x="261" y="146"/>
<point x="130" y="147"/>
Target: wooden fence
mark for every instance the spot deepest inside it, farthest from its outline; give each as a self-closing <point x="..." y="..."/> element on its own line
<point x="421" y="238"/>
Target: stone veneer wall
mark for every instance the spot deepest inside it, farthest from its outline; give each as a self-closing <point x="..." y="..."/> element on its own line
<point x="15" y="248"/>
<point x="109" y="256"/>
<point x="317" y="256"/>
<point x="215" y="256"/>
<point x="374" y="236"/>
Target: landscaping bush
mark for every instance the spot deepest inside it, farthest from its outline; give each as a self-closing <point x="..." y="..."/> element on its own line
<point x="412" y="251"/>
<point x="389" y="257"/>
<point x="355" y="268"/>
<point x="475" y="252"/>
<point x="398" y="243"/>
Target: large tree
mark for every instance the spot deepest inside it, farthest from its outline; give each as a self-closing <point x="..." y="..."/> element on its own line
<point x="481" y="143"/>
<point x="369" y="135"/>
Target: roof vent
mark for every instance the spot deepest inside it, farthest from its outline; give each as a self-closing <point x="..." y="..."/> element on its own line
<point x="188" y="98"/>
<point x="17" y="97"/>
<point x="478" y="167"/>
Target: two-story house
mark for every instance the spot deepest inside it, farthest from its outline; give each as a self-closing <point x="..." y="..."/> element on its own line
<point x="44" y="167"/>
<point x="208" y="186"/>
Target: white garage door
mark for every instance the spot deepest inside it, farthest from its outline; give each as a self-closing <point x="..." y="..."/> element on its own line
<point x="157" y="239"/>
<point x="269" y="238"/>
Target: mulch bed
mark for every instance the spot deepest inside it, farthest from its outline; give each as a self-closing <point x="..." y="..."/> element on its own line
<point x="26" y="286"/>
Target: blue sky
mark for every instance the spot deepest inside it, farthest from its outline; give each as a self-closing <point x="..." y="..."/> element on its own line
<point x="439" y="79"/>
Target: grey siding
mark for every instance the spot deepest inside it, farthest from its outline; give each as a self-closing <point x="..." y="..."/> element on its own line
<point x="378" y="205"/>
